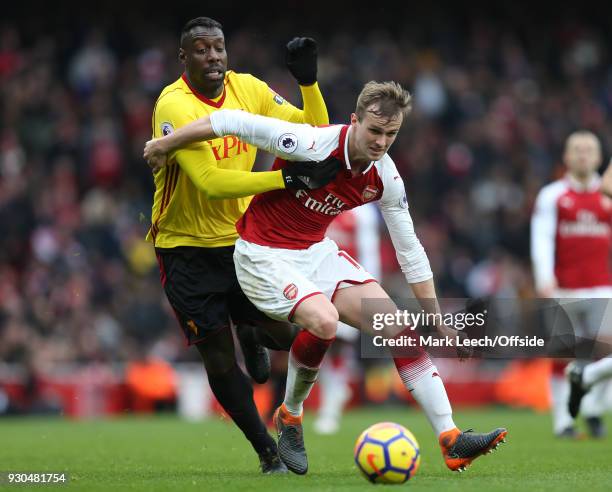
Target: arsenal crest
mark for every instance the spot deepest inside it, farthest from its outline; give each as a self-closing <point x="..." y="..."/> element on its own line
<point x="369" y="193"/>
<point x="290" y="292"/>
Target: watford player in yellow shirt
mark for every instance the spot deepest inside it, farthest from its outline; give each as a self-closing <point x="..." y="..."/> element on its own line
<point x="201" y="193"/>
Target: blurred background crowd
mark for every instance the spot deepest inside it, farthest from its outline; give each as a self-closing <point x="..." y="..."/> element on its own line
<point x="495" y="95"/>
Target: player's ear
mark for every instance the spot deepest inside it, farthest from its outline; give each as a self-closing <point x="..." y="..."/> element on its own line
<point x="354" y="119"/>
<point x="182" y="55"/>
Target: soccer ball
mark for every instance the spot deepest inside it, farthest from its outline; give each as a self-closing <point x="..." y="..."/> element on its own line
<point x="387" y="453"/>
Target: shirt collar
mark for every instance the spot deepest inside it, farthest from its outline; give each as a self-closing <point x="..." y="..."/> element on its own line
<point x="215" y="103"/>
<point x="593" y="184"/>
<point x="344" y="140"/>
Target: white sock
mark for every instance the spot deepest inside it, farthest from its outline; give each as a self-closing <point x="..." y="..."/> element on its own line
<point x="592" y="405"/>
<point x="559" y="389"/>
<point x="597" y="371"/>
<point x="421" y="378"/>
<point x="334" y="386"/>
<point x="300" y="380"/>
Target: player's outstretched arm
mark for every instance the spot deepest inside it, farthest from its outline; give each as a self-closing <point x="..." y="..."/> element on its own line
<point x="425" y="293"/>
<point x="185" y="146"/>
<point x="290" y="141"/>
<point x="409" y="251"/>
<point x="201" y="166"/>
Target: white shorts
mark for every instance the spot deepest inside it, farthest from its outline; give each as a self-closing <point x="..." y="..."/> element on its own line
<point x="590" y="315"/>
<point x="277" y="280"/>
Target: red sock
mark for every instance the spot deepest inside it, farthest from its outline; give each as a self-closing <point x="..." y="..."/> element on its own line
<point x="308" y="349"/>
<point x="305" y="357"/>
<point x="558" y="367"/>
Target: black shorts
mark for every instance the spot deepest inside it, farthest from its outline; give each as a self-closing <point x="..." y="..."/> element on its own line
<point x="203" y="290"/>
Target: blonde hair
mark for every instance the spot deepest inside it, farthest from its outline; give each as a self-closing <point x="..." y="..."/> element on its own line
<point x="389" y="97"/>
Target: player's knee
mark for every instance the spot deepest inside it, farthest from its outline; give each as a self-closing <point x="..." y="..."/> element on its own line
<point x="217" y="364"/>
<point x="325" y="323"/>
<point x="217" y="352"/>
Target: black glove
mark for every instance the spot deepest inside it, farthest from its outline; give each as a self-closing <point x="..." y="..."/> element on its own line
<point x="301" y="59"/>
<point x="311" y="175"/>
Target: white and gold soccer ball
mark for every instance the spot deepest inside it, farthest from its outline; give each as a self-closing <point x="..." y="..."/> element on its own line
<point x="387" y="453"/>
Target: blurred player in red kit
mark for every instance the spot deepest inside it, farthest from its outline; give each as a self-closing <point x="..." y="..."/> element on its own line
<point x="570" y="252"/>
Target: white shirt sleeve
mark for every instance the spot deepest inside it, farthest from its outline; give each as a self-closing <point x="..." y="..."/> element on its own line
<point x="394" y="207"/>
<point x="367" y="238"/>
<point x="290" y="141"/>
<point x="543" y="232"/>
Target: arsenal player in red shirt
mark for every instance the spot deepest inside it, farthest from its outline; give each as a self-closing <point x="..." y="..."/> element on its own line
<point x="570" y="250"/>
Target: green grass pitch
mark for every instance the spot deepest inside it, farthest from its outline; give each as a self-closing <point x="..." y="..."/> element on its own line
<point x="167" y="454"/>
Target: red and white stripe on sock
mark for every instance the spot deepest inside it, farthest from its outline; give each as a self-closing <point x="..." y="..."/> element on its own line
<point x="421" y="378"/>
<point x="411" y="369"/>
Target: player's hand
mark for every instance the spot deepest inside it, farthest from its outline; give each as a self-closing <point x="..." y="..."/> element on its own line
<point x="311" y="175"/>
<point x="301" y="59"/>
<point x="454" y="335"/>
<point x="155" y="154"/>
